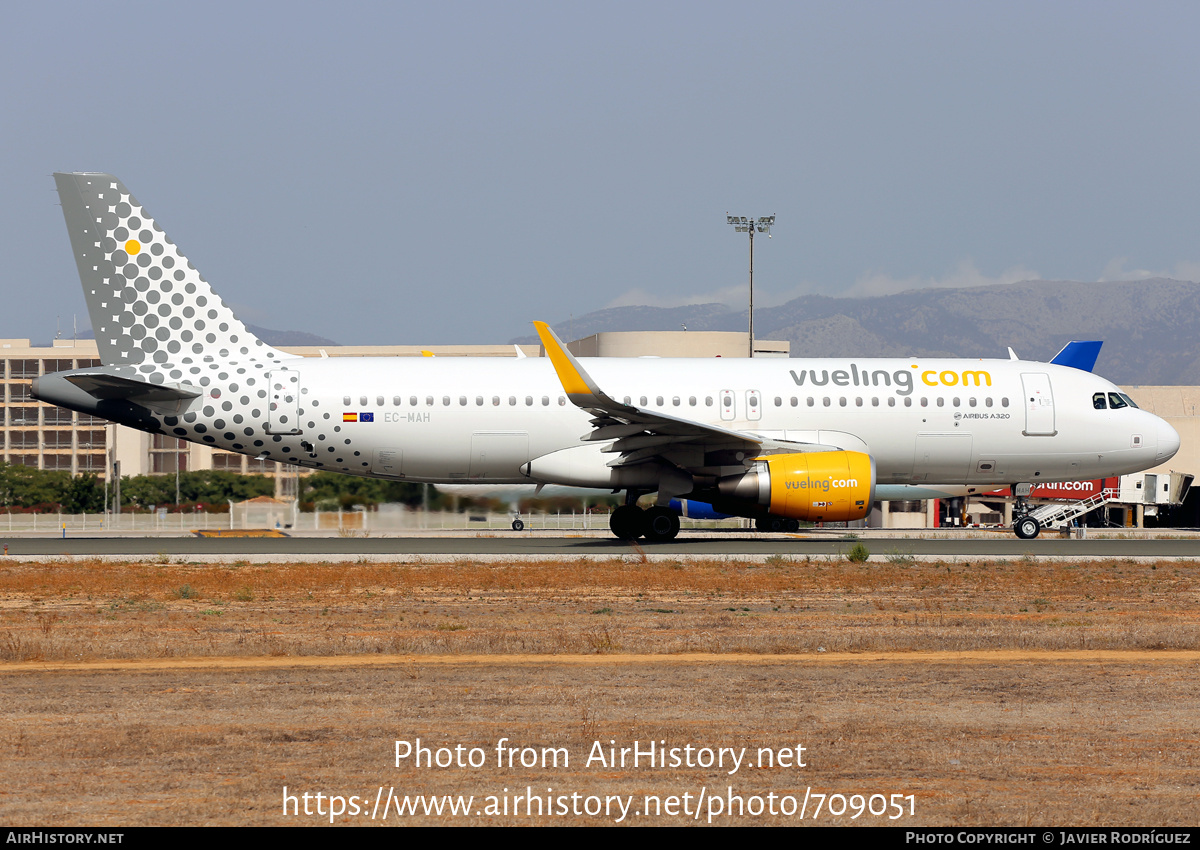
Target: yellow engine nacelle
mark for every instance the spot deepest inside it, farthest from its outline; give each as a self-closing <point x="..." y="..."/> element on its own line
<point x="811" y="486"/>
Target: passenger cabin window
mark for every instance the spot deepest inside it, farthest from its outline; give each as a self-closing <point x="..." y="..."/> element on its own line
<point x="778" y="401"/>
<point x="445" y="401"/>
<point x="1115" y="401"/>
<point x="708" y="401"/>
<point x="642" y="401"/>
<point x="412" y="400"/>
<point x="545" y="401"/>
<point x="362" y="399"/>
<point x="658" y="401"/>
<point x="988" y="401"/>
<point x="429" y="400"/>
<point x="479" y="401"/>
<point x="379" y="401"/>
<point x="346" y="400"/>
<point x="495" y="401"/>
<point x="562" y="400"/>
<point x="512" y="401"/>
<point x="691" y="401"/>
<point x="462" y="400"/>
<point x="675" y="401"/>
<point x="795" y="401"/>
<point x="395" y="401"/>
<point x="529" y="401"/>
<point x="1099" y="401"/>
<point x="1004" y="402"/>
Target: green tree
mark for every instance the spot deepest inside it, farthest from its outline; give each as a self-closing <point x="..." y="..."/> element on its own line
<point x="207" y="486"/>
<point x="26" y="486"/>
<point x="84" y="494"/>
<point x="350" y="490"/>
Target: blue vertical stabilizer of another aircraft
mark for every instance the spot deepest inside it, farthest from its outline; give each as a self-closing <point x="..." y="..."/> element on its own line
<point x="1079" y="354"/>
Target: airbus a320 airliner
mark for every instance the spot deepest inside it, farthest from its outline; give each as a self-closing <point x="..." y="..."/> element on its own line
<point x="790" y="439"/>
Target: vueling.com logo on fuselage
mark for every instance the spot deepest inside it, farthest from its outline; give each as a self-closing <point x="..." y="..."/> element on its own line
<point x="824" y="485"/>
<point x="901" y="379"/>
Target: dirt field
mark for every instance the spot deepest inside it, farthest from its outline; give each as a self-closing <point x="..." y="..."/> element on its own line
<point x="1008" y="693"/>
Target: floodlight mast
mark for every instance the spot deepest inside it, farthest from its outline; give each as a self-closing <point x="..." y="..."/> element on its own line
<point x="744" y="224"/>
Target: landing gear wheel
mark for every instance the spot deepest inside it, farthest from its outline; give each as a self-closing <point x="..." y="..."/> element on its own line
<point x="791" y="526"/>
<point x="627" y="522"/>
<point x="518" y="525"/>
<point x="1027" y="527"/>
<point x="662" y="524"/>
<point x="769" y="523"/>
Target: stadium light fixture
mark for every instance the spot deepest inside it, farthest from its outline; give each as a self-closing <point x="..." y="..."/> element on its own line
<point x="742" y="224"/>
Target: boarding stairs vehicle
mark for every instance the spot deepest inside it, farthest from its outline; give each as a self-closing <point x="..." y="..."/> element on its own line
<point x="1060" y="513"/>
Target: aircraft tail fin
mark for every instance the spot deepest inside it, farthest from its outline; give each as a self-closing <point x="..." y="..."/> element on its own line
<point x="1079" y="354"/>
<point x="147" y="302"/>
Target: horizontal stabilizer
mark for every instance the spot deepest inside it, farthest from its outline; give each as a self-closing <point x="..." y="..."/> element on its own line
<point x="101" y="386"/>
<point x="1079" y="354"/>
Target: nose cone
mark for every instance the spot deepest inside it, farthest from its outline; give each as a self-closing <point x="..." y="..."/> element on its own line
<point x="1168" y="441"/>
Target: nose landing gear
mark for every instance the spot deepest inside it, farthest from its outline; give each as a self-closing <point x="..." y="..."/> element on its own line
<point x="1026" y="527"/>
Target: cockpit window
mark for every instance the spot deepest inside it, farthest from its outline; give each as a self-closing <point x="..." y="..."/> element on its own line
<point x="1131" y="402"/>
<point x="1100" y="401"/>
<point x="1115" y="401"/>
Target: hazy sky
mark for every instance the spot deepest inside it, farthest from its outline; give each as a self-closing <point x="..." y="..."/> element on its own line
<point x="447" y="172"/>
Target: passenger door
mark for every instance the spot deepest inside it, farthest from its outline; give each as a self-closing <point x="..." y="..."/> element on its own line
<point x="283" y="408"/>
<point x="1039" y="405"/>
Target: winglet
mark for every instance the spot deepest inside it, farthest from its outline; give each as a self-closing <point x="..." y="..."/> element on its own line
<point x="1079" y="354"/>
<point x="577" y="382"/>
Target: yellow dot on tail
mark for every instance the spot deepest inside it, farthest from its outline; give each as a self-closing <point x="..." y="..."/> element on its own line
<point x="133" y="247"/>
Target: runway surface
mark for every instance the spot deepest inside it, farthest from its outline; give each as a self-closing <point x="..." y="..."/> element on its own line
<point x="517" y="546"/>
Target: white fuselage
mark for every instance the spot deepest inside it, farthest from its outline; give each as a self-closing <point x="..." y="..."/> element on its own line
<point x="480" y="420"/>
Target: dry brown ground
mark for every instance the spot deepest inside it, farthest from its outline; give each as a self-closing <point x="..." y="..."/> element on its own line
<point x="1009" y="693"/>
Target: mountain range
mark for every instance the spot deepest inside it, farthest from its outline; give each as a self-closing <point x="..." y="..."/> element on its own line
<point x="1150" y="328"/>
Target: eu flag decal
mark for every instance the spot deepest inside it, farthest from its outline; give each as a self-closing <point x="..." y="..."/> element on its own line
<point x="366" y="417"/>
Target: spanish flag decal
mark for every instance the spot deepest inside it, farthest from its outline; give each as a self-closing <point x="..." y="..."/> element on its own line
<point x="349" y="417"/>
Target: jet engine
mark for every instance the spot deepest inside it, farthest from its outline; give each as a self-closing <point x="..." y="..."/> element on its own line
<point x="809" y="486"/>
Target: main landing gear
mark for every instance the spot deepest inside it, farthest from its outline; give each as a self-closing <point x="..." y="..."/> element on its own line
<point x="776" y="524"/>
<point x="657" y="524"/>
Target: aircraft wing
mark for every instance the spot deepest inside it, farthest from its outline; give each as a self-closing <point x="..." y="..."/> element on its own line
<point x="639" y="435"/>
